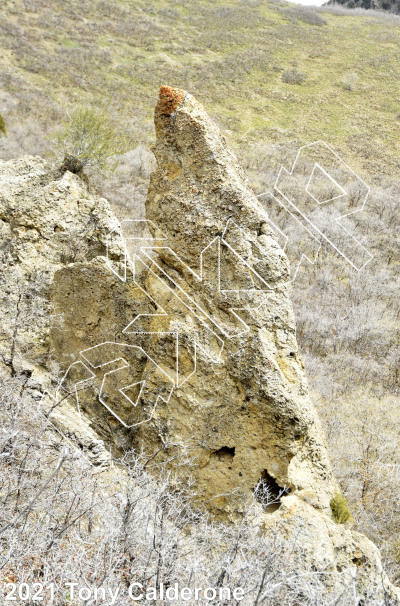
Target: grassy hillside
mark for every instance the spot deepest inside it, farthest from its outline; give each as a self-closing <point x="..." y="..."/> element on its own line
<point x="274" y="76"/>
<point x="239" y="58"/>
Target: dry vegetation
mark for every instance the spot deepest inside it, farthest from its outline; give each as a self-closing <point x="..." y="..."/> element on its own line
<point x="233" y="56"/>
<point x="230" y="55"/>
<point x="65" y="521"/>
<point x="349" y="333"/>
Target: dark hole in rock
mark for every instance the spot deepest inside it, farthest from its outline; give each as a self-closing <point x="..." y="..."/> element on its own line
<point x="224" y="454"/>
<point x="268" y="492"/>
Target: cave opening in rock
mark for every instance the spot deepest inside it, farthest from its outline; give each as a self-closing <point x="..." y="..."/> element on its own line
<point x="268" y="492"/>
<point x="225" y="454"/>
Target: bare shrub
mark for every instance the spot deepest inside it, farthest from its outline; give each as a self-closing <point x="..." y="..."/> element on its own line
<point x="126" y="187"/>
<point x="349" y="81"/>
<point x="293" y="76"/>
<point x="88" y="138"/>
<point x="308" y="15"/>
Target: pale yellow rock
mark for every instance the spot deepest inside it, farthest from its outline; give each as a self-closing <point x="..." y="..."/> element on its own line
<point x="254" y="399"/>
<point x="48" y="224"/>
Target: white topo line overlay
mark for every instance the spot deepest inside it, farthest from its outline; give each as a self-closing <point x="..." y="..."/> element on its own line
<point x="87" y="366"/>
<point x="309" y="229"/>
<point x="355" y="252"/>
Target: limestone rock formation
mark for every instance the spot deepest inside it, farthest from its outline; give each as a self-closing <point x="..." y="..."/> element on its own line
<point x="186" y="351"/>
<point x="50" y="224"/>
<point x="250" y="414"/>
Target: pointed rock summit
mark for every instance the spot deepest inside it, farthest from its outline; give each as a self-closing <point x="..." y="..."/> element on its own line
<point x="252" y="401"/>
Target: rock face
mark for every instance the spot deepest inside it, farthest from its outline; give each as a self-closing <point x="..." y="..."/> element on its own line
<point x="187" y="351"/>
<point x="249" y="411"/>
<point x="55" y="284"/>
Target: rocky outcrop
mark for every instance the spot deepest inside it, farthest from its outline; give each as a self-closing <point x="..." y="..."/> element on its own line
<point x="52" y="232"/>
<point x="187" y="351"/>
<point x="250" y="414"/>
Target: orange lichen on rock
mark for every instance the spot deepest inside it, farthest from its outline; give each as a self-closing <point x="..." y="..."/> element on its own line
<point x="170" y="99"/>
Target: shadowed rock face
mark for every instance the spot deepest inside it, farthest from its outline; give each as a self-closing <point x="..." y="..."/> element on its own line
<point x="204" y="320"/>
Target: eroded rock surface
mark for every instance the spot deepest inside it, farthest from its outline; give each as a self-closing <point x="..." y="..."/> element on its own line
<point x="56" y="289"/>
<point x="246" y="411"/>
<point x="187" y="352"/>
